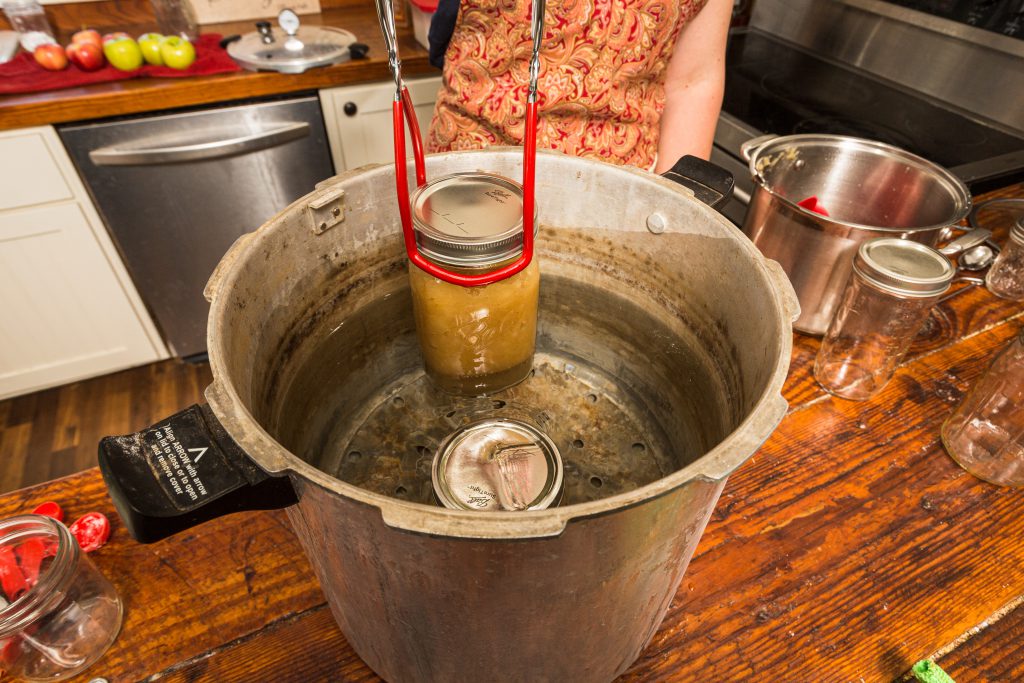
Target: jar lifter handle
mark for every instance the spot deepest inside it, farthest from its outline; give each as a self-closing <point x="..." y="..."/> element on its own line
<point x="402" y="109"/>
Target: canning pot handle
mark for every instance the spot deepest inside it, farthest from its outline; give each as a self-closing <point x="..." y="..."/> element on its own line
<point x="181" y="472"/>
<point x="709" y="183"/>
<point x="972" y="238"/>
<point x="749" y="148"/>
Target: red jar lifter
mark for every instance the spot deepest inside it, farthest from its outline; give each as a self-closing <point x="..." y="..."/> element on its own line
<point x="403" y="110"/>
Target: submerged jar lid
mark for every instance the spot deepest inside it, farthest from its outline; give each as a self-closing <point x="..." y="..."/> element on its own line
<point x="469" y="219"/>
<point x="904" y="267"/>
<point x="497" y="464"/>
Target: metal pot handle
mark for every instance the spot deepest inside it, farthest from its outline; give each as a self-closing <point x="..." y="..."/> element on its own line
<point x="972" y="238"/>
<point x="750" y="148"/>
<point x="183" y="471"/>
<point x="709" y="183"/>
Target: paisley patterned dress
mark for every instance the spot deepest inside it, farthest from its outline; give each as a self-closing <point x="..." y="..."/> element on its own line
<point x="601" y="87"/>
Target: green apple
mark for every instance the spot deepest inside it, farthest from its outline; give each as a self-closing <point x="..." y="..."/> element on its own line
<point x="177" y="52"/>
<point x="123" y="54"/>
<point x="111" y="37"/>
<point x="149" y="43"/>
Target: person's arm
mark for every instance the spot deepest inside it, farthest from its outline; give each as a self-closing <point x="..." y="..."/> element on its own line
<point x="694" y="82"/>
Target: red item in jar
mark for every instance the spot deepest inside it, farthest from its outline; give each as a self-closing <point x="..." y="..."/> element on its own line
<point x="30" y="555"/>
<point x="12" y="580"/>
<point x="91" y="530"/>
<point x="10" y="651"/>
<point x="50" y="509"/>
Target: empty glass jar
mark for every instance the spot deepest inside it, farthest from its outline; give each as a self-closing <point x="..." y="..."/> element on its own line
<point x="29" y="20"/>
<point x="176" y="18"/>
<point x="985" y="434"/>
<point x="1006" y="276"/>
<point x="890" y="292"/>
<point x="59" y="614"/>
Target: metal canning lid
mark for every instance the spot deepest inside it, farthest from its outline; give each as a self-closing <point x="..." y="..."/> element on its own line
<point x="469" y="219"/>
<point x="904" y="267"/>
<point x="497" y="464"/>
<point x="1017" y="231"/>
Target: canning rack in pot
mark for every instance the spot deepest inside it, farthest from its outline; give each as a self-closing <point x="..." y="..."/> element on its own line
<point x="402" y="109"/>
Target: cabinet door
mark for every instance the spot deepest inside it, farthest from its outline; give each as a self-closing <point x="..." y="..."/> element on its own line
<point x="67" y="307"/>
<point x="31" y="174"/>
<point x="64" y="313"/>
<point x="359" y="124"/>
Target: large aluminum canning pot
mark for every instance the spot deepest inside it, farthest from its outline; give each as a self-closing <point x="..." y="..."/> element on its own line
<point x="869" y="190"/>
<point x="664" y="339"/>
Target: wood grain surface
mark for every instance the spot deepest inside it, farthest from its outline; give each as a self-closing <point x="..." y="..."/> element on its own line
<point x="53" y="433"/>
<point x="157" y="94"/>
<point x="849" y="547"/>
<point x="192" y="595"/>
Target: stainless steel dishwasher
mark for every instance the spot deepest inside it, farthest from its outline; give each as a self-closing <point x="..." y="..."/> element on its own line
<point x="176" y="190"/>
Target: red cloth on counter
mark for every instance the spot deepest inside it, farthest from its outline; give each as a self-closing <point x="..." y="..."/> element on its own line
<point x="23" y="75"/>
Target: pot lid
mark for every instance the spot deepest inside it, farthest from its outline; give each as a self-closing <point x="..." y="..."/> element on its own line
<point x="274" y="49"/>
<point x="904" y="267"/>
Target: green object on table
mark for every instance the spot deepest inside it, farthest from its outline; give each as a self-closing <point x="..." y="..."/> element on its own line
<point x="928" y="671"/>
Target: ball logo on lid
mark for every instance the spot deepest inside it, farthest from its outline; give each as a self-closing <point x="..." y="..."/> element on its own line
<point x="499" y="195"/>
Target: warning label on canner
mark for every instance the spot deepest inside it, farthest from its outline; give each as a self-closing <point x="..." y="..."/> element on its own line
<point x="179" y="465"/>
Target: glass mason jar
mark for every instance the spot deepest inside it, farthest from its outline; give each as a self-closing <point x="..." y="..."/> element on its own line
<point x="985" y="434"/>
<point x="886" y="301"/>
<point x="475" y="340"/>
<point x="29" y="20"/>
<point x="60" y="614"/>
<point x="1006" y="276"/>
<point x="176" y="18"/>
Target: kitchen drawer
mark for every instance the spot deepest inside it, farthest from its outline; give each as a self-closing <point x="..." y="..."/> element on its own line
<point x="30" y="174"/>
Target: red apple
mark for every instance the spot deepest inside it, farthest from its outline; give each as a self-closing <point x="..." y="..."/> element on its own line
<point x="111" y="37"/>
<point x="89" y="35"/>
<point x="87" y="56"/>
<point x="51" y="56"/>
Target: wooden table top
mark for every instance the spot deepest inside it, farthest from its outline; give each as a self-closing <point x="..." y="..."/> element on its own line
<point x="140" y="95"/>
<point x="849" y="547"/>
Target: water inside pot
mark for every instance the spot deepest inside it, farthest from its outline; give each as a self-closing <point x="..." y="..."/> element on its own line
<point x="627" y="396"/>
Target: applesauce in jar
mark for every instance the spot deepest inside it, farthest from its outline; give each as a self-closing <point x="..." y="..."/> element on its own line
<point x="474" y="340"/>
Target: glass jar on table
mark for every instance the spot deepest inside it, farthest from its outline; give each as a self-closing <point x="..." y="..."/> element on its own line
<point x="1006" y="276"/>
<point x="475" y="340"/>
<point x="58" y="613"/>
<point x="892" y="288"/>
<point x="29" y="20"/>
<point x="176" y="18"/>
<point x="985" y="434"/>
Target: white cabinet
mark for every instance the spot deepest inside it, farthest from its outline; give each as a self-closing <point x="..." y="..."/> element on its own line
<point x="359" y="123"/>
<point x="67" y="307"/>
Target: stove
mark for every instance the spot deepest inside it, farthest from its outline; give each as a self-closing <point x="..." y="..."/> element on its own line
<point x="772" y="86"/>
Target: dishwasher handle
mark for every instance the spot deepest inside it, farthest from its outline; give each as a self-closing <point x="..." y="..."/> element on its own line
<point x="115" y="156"/>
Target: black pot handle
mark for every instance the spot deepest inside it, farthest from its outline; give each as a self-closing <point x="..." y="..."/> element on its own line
<point x="711" y="184"/>
<point x="183" y="471"/>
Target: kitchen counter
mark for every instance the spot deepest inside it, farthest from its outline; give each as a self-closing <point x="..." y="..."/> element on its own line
<point x="156" y="94"/>
<point x="849" y="547"/>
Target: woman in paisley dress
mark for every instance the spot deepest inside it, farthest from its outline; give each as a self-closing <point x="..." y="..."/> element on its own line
<point x="634" y="82"/>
